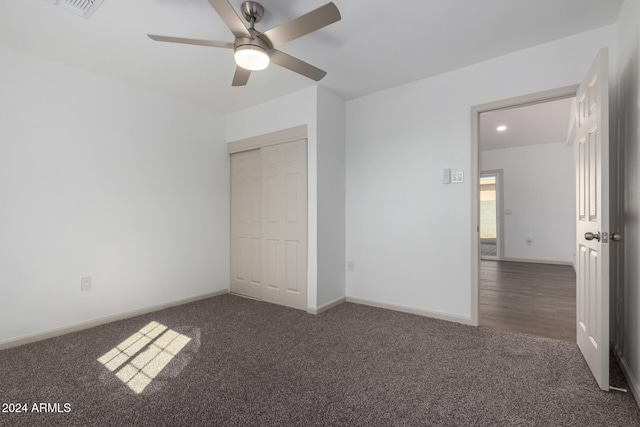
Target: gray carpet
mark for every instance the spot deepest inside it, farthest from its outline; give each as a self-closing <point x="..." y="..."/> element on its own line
<point x="249" y="363"/>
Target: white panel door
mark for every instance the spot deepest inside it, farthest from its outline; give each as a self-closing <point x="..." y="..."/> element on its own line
<point x="284" y="224"/>
<point x="246" y="223"/>
<point x="592" y="249"/>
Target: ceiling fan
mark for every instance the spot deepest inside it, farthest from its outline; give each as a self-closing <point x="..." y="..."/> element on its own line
<point x="254" y="50"/>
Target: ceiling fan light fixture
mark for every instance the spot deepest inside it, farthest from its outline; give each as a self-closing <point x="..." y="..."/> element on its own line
<point x="252" y="48"/>
<point x="251" y="57"/>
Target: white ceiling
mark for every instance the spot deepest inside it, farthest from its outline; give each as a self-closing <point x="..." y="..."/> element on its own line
<point x="378" y="44"/>
<point x="544" y="123"/>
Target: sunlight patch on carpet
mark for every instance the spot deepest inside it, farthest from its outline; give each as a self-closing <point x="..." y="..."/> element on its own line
<point x="139" y="359"/>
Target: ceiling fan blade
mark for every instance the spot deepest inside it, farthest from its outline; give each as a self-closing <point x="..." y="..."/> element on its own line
<point x="211" y="43"/>
<point x="230" y="17"/>
<point x="241" y="77"/>
<point x="305" y="24"/>
<point x="296" y="65"/>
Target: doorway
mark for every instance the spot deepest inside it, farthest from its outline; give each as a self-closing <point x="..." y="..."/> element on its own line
<point x="512" y="249"/>
<point x="491" y="215"/>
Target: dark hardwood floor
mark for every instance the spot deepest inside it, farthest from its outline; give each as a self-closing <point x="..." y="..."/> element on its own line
<point x="536" y="299"/>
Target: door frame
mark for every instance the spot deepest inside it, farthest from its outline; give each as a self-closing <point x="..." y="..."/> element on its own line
<point x="499" y="212"/>
<point x="474" y="182"/>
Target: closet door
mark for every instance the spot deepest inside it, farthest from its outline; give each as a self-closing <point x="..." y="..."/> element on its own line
<point x="246" y="223"/>
<point x="284" y="224"/>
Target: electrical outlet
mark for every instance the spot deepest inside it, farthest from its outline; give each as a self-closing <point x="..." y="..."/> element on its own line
<point x="529" y="241"/>
<point x="350" y="265"/>
<point x="85" y="283"/>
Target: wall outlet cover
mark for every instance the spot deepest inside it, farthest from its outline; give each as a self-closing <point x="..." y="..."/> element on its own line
<point x="85" y="283"/>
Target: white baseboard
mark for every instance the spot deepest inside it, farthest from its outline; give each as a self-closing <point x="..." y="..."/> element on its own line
<point x="634" y="386"/>
<point x="51" y="333"/>
<point x="535" y="261"/>
<point x="412" y="310"/>
<point x="324" y="307"/>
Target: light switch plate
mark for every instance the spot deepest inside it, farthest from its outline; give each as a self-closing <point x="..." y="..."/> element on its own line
<point x="457" y="177"/>
<point x="446" y="177"/>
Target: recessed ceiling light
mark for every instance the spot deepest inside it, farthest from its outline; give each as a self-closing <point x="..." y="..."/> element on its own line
<point x="501" y="128"/>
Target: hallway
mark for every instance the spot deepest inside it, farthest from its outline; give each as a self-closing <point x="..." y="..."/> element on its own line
<point x="536" y="299"/>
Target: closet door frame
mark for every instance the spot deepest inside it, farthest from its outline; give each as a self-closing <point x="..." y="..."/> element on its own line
<point x="275" y="138"/>
<point x="279" y="137"/>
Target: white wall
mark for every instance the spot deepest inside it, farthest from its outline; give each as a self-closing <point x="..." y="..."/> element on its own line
<point x="298" y="108"/>
<point x="628" y="339"/>
<point x="539" y="190"/>
<point x="101" y="179"/>
<point x="409" y="234"/>
<point x="331" y="197"/>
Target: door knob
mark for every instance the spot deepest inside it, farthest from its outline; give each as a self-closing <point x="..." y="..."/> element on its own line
<point x="591" y="236"/>
<point x="616" y="237"/>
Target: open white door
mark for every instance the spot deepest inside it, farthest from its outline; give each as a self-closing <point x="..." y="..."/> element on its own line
<point x="592" y="249"/>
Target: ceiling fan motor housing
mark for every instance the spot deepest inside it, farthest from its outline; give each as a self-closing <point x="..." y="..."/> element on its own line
<point x="255" y="41"/>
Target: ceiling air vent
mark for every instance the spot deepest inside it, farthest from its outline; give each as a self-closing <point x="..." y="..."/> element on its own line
<point x="79" y="7"/>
